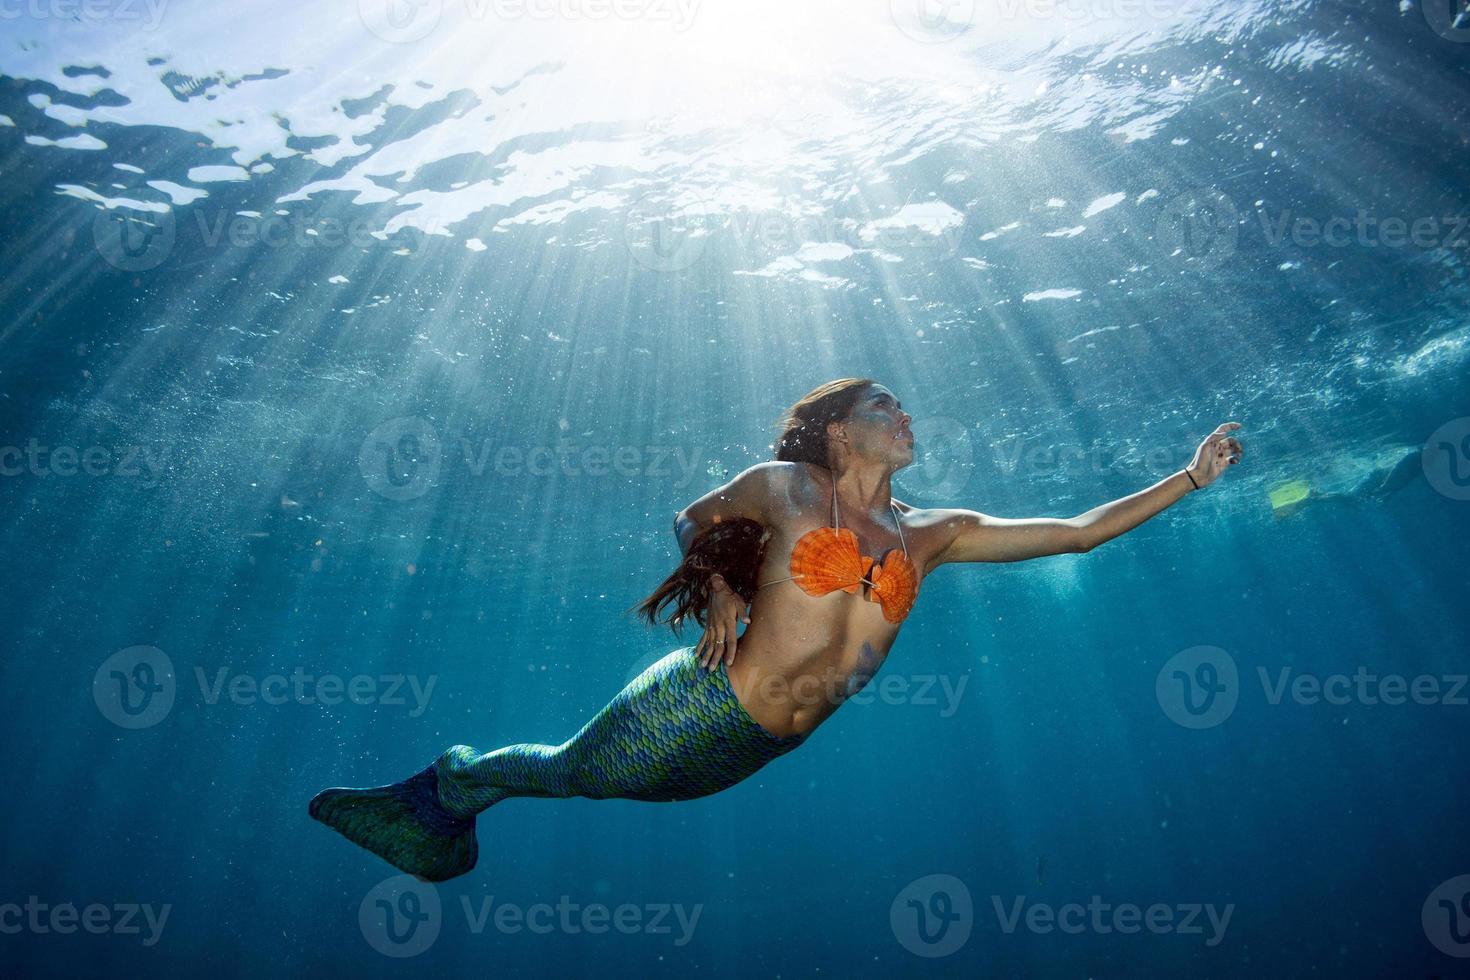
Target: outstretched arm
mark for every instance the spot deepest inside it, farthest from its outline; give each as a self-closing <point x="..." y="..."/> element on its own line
<point x="980" y="537"/>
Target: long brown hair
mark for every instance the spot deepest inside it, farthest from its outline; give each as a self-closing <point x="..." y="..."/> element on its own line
<point x="734" y="548"/>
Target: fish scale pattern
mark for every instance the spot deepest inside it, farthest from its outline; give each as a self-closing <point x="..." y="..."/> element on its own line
<point x="676" y="732"/>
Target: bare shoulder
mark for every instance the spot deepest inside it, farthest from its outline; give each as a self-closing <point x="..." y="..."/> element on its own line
<point x="774" y="477"/>
<point x="790" y="489"/>
<point x="936" y="526"/>
<point x="933" y="517"/>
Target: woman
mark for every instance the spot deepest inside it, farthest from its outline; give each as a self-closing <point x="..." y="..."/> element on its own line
<point x="814" y="555"/>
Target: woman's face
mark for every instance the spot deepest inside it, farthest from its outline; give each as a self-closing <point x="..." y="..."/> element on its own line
<point x="878" y="429"/>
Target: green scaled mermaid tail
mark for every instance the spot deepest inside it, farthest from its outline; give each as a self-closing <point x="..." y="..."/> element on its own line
<point x="403" y="824"/>
<point x="675" y="732"/>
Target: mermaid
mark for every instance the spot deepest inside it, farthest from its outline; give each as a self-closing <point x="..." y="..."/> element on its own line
<point x="814" y="557"/>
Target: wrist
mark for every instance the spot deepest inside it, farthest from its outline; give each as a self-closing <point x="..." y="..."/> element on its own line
<point x="1193" y="480"/>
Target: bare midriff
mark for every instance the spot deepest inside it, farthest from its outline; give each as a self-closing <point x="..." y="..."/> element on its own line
<point x="802" y="656"/>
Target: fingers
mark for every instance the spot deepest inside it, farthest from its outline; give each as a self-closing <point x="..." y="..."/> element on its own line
<point x="719" y="642"/>
<point x="716" y="648"/>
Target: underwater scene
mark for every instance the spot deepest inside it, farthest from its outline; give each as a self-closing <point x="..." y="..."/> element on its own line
<point x="364" y="364"/>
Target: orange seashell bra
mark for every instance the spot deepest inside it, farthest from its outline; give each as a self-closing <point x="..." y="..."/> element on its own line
<point x="827" y="559"/>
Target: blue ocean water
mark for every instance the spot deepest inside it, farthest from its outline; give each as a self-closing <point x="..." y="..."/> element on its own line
<point x="355" y="358"/>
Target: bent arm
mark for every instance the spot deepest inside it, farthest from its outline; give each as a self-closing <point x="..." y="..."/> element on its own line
<point x="748" y="495"/>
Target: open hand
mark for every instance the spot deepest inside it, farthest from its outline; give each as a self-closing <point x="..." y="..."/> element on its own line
<point x="726" y="610"/>
<point x="1219" y="451"/>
